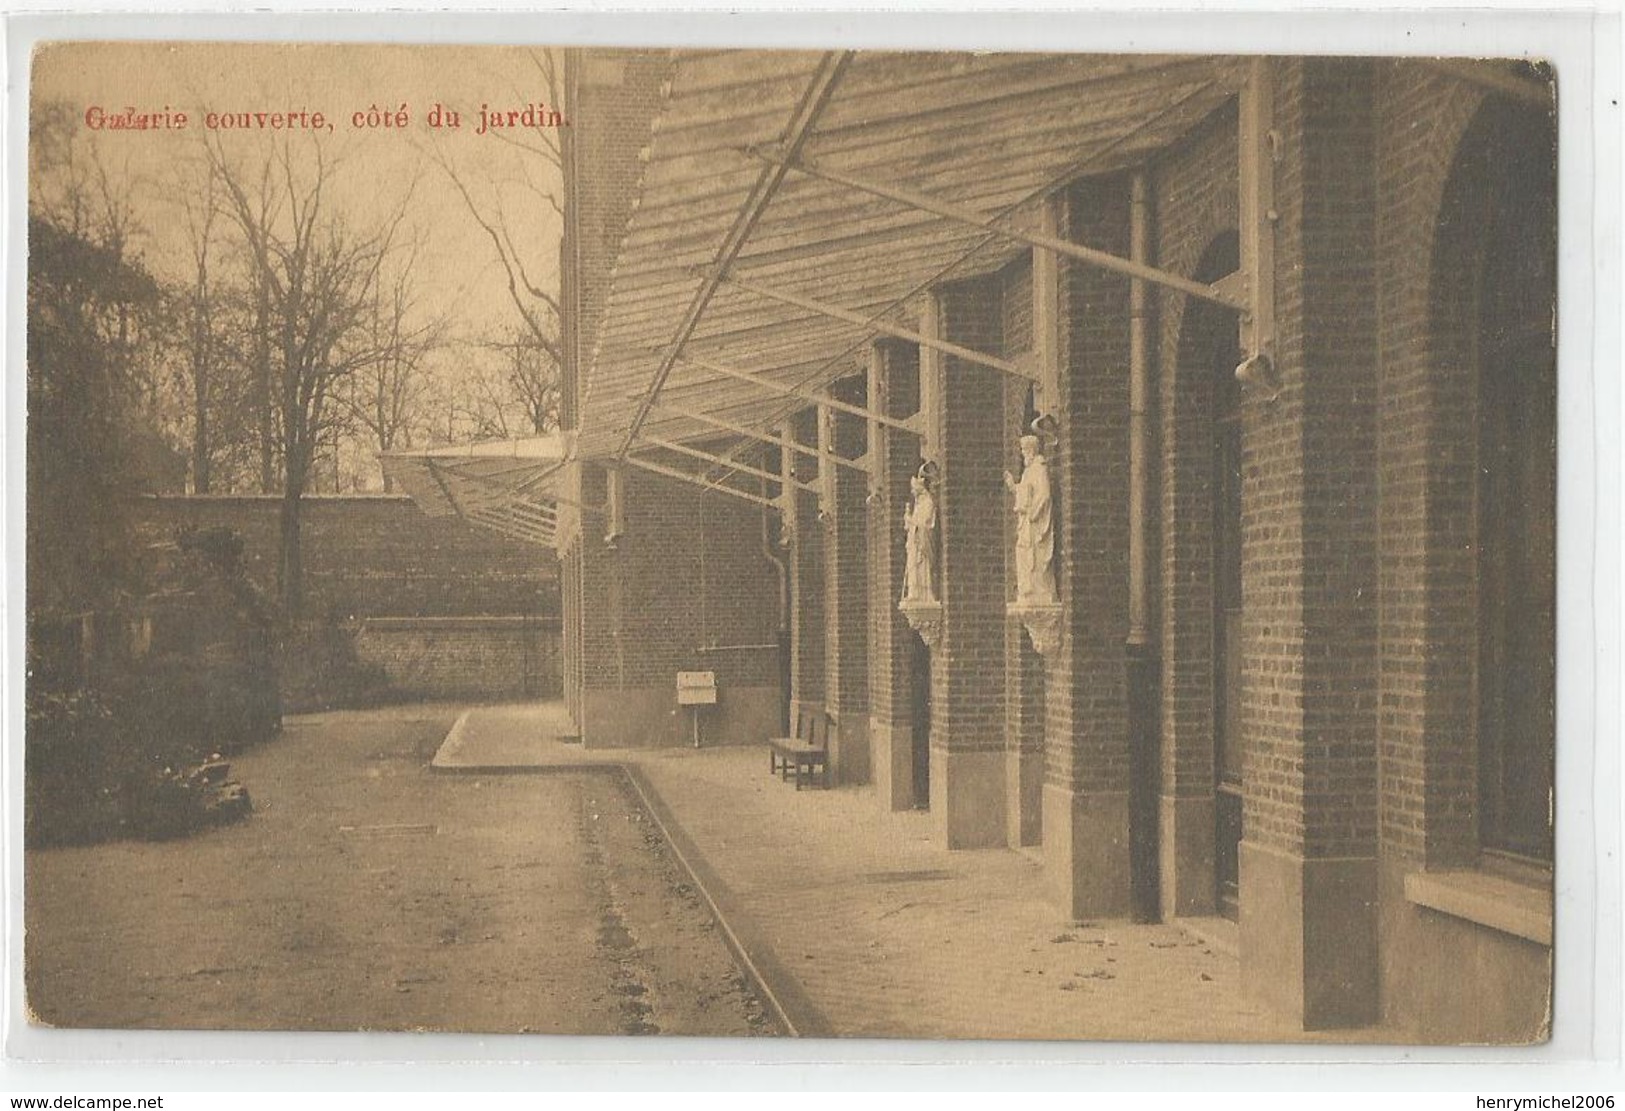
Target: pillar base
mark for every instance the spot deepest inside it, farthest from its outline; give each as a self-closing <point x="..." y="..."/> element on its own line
<point x="1189" y="886"/>
<point x="967" y="799"/>
<point x="1086" y="852"/>
<point x="1024" y="797"/>
<point x="849" y="749"/>
<point x="1309" y="936"/>
<point x="891" y="745"/>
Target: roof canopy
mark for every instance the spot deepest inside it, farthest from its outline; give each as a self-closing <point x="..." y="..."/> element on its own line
<point x="738" y="191"/>
<point x="509" y="486"/>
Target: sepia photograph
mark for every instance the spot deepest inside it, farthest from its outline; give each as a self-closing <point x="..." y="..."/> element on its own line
<point x="1117" y="492"/>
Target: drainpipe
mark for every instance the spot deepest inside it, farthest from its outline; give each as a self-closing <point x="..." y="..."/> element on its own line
<point x="1139" y="435"/>
<point x="1140" y="651"/>
<point x="782" y="567"/>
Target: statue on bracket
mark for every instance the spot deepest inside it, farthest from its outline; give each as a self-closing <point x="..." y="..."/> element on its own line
<point x="920" y="547"/>
<point x="1035" y="522"/>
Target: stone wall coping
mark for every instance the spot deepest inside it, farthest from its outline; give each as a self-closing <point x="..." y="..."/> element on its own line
<point x="404" y="624"/>
<point x="1511" y="906"/>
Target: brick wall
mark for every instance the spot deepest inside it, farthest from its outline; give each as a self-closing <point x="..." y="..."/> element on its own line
<point x="1428" y="757"/>
<point x="1431" y="244"/>
<point x="375" y="556"/>
<point x="686" y="587"/>
<point x="1086" y="728"/>
<point x="465" y="657"/>
<point x="846" y="616"/>
<point x="1016" y="324"/>
<point x="1309" y="496"/>
<point x="890" y="648"/>
<point x="807" y="629"/>
<point x="967" y="695"/>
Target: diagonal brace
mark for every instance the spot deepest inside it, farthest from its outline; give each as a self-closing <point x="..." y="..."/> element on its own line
<point x="796" y="391"/>
<point x="708" y="457"/>
<point x="813" y="101"/>
<point x="971" y="218"/>
<point x="696" y="480"/>
<point x="752" y="434"/>
<point x="862" y="321"/>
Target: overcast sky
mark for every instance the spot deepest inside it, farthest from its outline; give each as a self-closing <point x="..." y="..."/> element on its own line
<point x="458" y="267"/>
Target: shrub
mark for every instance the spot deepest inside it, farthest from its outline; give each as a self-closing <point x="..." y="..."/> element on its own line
<point x="320" y="670"/>
<point x="101" y="767"/>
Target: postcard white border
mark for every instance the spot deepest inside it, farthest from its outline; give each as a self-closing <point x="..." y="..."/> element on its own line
<point x="1585" y="47"/>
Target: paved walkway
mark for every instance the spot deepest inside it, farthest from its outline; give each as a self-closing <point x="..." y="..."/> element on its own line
<point x="859" y="926"/>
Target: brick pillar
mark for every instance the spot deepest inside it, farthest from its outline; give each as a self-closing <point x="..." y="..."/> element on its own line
<point x="1086" y="742"/>
<point x="967" y="685"/>
<point x="1308" y="855"/>
<point x="806" y="573"/>
<point x="896" y="369"/>
<point x="846" y="603"/>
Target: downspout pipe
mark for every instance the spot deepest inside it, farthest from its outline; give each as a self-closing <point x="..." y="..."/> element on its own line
<point x="781" y="566"/>
<point x="1142" y="665"/>
<point x="1139" y="443"/>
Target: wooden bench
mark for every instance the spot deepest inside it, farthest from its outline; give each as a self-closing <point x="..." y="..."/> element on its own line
<point x="805" y="753"/>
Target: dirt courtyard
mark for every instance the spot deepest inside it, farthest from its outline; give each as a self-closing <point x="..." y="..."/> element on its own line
<point x="367" y="893"/>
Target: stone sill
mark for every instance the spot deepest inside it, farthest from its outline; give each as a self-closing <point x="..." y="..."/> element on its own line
<point x="1520" y="909"/>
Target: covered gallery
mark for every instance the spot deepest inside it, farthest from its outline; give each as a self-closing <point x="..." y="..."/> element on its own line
<point x="1285" y="326"/>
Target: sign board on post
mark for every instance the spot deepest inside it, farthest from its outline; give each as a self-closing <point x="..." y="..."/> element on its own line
<point x="696" y="688"/>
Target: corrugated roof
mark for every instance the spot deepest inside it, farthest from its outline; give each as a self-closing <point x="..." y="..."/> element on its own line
<point x="987" y="132"/>
<point x="508" y="486"/>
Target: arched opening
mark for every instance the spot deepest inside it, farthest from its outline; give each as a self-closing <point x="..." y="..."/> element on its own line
<point x="1496" y="274"/>
<point x="1209" y="349"/>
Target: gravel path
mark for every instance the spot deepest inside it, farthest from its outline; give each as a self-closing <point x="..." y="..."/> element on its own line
<point x="367" y="893"/>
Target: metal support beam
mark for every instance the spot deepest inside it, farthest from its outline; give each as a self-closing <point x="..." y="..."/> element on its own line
<point x="717" y="460"/>
<point x="749" y="433"/>
<point x="1047" y="312"/>
<point x="796" y="133"/>
<point x="1088" y="163"/>
<point x="974" y="219"/>
<point x="806" y="395"/>
<point x="1257" y="184"/>
<point x="797" y="301"/>
<point x="1140" y="514"/>
<point x="933" y="380"/>
<point x="787" y="459"/>
<point x="875" y="390"/>
<point x="696" y="480"/>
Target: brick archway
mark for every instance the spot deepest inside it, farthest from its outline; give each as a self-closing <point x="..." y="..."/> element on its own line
<point x="1192" y="655"/>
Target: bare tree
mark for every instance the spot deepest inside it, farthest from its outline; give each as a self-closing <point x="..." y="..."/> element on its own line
<point x="386" y="396"/>
<point x="316" y="275"/>
<point x="519" y="394"/>
<point x="202" y="212"/>
<point x="538" y="306"/>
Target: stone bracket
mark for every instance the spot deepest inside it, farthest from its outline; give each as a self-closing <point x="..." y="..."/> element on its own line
<point x="924" y="618"/>
<point x="1042" y="620"/>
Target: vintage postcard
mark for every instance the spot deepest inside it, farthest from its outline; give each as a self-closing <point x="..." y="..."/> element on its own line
<point x="1116" y="493"/>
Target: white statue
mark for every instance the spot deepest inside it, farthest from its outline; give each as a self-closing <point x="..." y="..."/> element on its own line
<point x="1035" y="527"/>
<point x="920" y="528"/>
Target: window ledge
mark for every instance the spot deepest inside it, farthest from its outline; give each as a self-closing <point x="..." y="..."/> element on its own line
<point x="1520" y="909"/>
